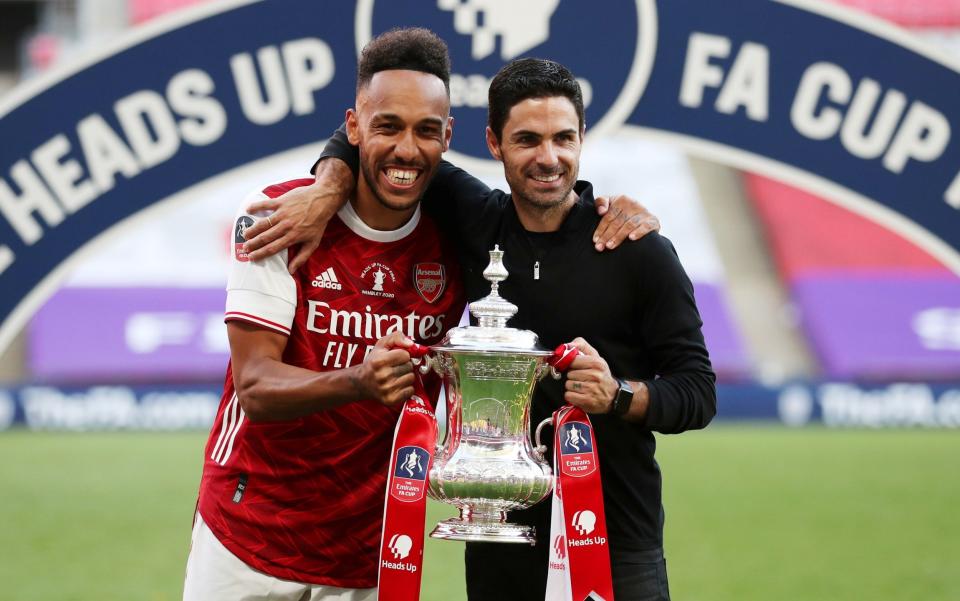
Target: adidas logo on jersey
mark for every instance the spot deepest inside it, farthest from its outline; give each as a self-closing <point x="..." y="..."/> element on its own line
<point x="327" y="279"/>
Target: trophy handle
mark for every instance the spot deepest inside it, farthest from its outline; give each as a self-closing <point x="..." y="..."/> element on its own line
<point x="439" y="445"/>
<point x="421" y="358"/>
<point x="562" y="358"/>
<point x="540" y="449"/>
<point x="418" y="350"/>
<point x="558" y="362"/>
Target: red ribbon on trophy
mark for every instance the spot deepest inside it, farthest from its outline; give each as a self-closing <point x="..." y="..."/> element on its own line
<point x="579" y="566"/>
<point x="404" y="513"/>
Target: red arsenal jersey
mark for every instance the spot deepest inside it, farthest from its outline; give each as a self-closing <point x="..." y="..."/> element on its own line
<point x="303" y="499"/>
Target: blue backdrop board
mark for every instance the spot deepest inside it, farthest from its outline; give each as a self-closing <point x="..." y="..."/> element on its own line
<point x="863" y="115"/>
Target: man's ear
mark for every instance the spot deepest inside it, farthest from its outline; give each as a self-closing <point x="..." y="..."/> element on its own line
<point x="353" y="127"/>
<point x="448" y="134"/>
<point x="493" y="144"/>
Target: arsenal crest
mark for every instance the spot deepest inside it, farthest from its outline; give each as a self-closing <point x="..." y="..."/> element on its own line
<point x="430" y="280"/>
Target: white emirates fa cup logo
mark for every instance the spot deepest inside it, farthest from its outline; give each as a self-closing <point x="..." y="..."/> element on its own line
<point x="574" y="438"/>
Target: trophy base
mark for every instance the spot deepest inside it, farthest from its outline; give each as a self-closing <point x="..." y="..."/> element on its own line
<point x="485" y="532"/>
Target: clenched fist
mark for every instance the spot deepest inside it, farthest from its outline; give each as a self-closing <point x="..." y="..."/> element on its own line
<point x="386" y="373"/>
<point x="590" y="385"/>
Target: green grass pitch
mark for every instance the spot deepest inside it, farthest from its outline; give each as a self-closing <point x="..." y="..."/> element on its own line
<point x="752" y="513"/>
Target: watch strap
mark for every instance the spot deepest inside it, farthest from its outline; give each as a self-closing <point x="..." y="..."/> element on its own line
<point x="622" y="399"/>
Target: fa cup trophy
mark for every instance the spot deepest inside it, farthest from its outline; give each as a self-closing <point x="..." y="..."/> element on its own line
<point x="485" y="464"/>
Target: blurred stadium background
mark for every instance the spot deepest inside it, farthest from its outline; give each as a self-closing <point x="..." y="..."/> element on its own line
<point x="831" y="471"/>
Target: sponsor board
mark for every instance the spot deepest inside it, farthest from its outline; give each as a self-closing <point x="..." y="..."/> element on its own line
<point x="109" y="407"/>
<point x="844" y="404"/>
<point x="831" y="404"/>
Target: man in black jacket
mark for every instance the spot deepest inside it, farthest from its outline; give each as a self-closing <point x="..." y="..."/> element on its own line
<point x="630" y="311"/>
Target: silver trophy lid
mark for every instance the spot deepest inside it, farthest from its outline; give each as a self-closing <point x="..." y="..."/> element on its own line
<point x="492" y="313"/>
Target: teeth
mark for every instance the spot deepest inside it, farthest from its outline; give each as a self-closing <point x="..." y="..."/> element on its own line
<point x="546" y="178"/>
<point x="402" y="176"/>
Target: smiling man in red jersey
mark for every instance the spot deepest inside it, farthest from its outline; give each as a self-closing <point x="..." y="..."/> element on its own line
<point x="292" y="494"/>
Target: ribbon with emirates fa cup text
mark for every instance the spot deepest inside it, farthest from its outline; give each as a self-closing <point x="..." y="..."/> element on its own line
<point x="404" y="512"/>
<point x="579" y="550"/>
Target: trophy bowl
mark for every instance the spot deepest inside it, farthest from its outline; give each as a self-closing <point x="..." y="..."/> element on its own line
<point x="486" y="465"/>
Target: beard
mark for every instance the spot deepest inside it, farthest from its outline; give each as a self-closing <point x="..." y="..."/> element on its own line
<point x="540" y="200"/>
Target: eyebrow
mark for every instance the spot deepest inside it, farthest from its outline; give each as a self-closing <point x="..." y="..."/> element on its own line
<point x="394" y="117"/>
<point x="385" y="117"/>
<point x="527" y="132"/>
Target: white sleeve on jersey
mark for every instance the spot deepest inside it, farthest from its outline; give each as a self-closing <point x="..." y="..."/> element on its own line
<point x="261" y="292"/>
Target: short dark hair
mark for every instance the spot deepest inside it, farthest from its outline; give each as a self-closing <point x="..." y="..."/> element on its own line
<point x="412" y="48"/>
<point x="527" y="78"/>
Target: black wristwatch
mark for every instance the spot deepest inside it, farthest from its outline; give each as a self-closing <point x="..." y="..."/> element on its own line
<point x="622" y="400"/>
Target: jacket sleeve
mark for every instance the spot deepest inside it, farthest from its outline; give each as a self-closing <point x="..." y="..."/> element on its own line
<point x="339" y="147"/>
<point x="453" y="196"/>
<point x="456" y="199"/>
<point x="683" y="394"/>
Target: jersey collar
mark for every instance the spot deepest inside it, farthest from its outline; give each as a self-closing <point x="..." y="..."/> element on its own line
<point x="350" y="218"/>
